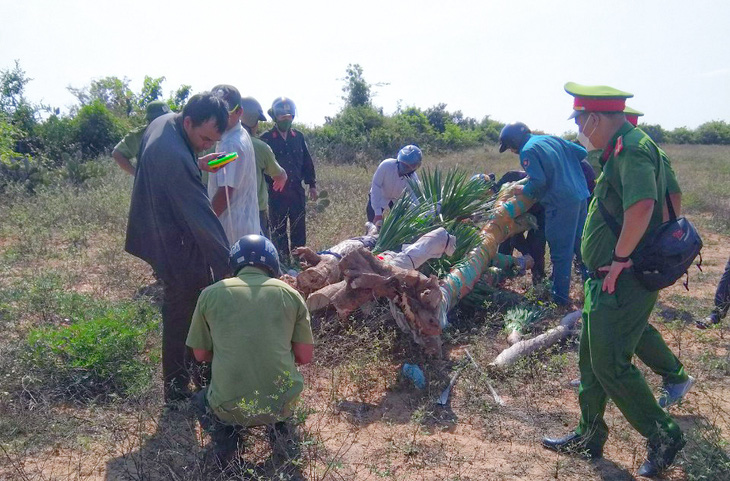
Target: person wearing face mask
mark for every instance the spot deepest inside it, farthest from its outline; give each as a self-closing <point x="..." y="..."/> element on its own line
<point x="632" y="189"/>
<point x="652" y="349"/>
<point x="594" y="156"/>
<point x="289" y="204"/>
<point x="391" y="180"/>
<point x="556" y="180"/>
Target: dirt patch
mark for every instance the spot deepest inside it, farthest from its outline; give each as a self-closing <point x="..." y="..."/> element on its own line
<point x="365" y="423"/>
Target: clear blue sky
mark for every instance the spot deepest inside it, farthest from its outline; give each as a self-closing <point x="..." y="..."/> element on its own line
<point x="506" y="59"/>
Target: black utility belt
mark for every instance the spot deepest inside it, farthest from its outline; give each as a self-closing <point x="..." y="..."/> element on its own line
<point x="601" y="274"/>
<point x="597" y="274"/>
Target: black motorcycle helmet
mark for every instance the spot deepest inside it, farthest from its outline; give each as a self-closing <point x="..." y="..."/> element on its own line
<point x="513" y="136"/>
<point x="255" y="250"/>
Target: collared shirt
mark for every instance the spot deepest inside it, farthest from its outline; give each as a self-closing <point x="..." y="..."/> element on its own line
<point x="630" y="173"/>
<point x="249" y="322"/>
<point x="594" y="159"/>
<point x="387" y="185"/>
<point x="554" y="170"/>
<point x="171" y="223"/>
<point x="129" y="145"/>
<point x="241" y="216"/>
<point x="293" y="155"/>
<point x="266" y="164"/>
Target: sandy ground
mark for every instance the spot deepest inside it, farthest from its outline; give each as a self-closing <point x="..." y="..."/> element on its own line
<point x="373" y="433"/>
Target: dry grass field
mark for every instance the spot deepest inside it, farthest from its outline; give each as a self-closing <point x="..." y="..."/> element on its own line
<point x="80" y="400"/>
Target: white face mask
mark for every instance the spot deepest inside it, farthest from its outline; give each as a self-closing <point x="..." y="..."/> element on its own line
<point x="584" y="140"/>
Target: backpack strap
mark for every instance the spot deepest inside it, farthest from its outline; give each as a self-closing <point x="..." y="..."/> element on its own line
<point x="610" y="220"/>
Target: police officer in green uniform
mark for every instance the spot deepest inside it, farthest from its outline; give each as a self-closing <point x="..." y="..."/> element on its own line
<point x="675" y="381"/>
<point x="632" y="117"/>
<point x="617" y="307"/>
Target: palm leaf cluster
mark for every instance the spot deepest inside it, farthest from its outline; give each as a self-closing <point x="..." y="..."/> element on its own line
<point x="519" y="319"/>
<point x="453" y="194"/>
<point x="447" y="200"/>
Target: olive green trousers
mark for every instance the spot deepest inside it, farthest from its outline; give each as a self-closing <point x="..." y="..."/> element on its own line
<point x="615" y="327"/>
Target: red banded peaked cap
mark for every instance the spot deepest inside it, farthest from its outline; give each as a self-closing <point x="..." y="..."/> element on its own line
<point x="632" y="115"/>
<point x="596" y="98"/>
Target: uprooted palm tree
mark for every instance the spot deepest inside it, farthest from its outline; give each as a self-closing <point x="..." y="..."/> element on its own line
<point x="452" y="201"/>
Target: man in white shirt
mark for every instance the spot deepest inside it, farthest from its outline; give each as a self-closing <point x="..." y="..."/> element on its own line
<point x="390" y="180"/>
<point x="233" y="189"/>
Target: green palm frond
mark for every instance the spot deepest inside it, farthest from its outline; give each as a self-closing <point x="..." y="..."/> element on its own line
<point x="454" y="195"/>
<point x="405" y="223"/>
<point x="468" y="237"/>
<point x="520" y="319"/>
<point x="445" y="200"/>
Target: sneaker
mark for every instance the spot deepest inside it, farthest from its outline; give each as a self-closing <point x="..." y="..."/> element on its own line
<point x="708" y="321"/>
<point x="673" y="393"/>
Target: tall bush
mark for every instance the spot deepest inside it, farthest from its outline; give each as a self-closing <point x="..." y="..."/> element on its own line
<point x="681" y="135"/>
<point x="656" y="132"/>
<point x="56" y="139"/>
<point x="97" y="130"/>
<point x="715" y="132"/>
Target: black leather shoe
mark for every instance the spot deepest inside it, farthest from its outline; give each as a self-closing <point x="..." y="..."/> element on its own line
<point x="660" y="456"/>
<point x="574" y="444"/>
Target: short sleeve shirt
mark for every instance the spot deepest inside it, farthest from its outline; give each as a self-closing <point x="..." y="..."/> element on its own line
<point x="241" y="216"/>
<point x="250" y="322"/>
<point x="129" y="145"/>
<point x="265" y="164"/>
<point x="627" y="177"/>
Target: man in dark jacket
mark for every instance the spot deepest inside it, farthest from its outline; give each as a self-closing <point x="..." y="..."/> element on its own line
<point x="289" y="204"/>
<point x="173" y="227"/>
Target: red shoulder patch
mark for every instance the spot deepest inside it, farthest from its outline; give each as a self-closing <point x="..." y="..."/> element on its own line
<point x="619" y="146"/>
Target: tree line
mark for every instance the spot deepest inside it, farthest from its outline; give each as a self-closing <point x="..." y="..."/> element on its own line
<point x="39" y="145"/>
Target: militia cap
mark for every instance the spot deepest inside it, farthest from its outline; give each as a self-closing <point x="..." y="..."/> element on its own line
<point x="596" y="98"/>
<point x="632" y="115"/>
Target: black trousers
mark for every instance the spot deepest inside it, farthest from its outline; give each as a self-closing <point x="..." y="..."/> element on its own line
<point x="722" y="294"/>
<point x="178" y="364"/>
<point x="225" y="437"/>
<point x="371" y="212"/>
<point x="293" y="211"/>
<point x="264" y="222"/>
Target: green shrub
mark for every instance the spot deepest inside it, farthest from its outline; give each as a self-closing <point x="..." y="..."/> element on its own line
<point x="706" y="455"/>
<point x="681" y="135"/>
<point x="656" y="132"/>
<point x="715" y="132"/>
<point x="57" y="139"/>
<point x="97" y="130"/>
<point x="96" y="357"/>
